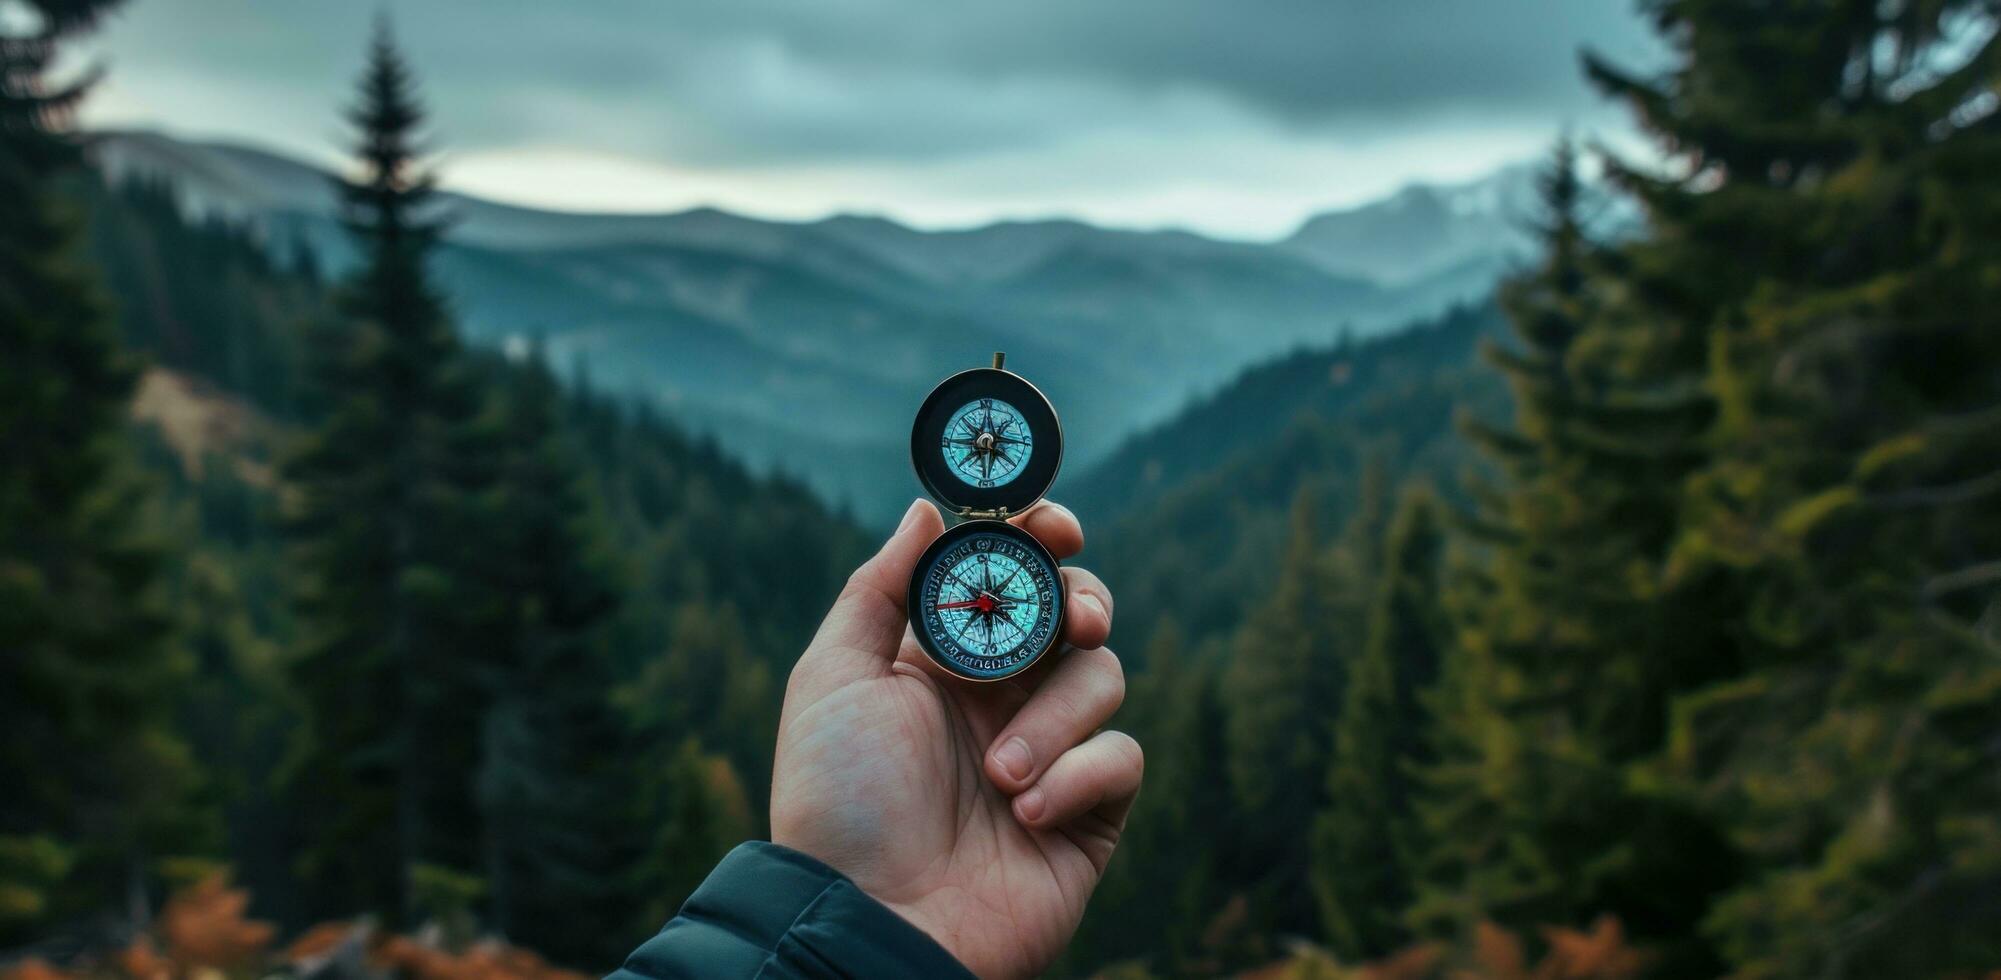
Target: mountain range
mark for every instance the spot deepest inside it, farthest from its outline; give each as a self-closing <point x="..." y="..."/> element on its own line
<point x="806" y="346"/>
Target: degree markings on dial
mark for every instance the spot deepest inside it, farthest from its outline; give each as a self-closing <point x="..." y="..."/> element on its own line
<point x="996" y="631"/>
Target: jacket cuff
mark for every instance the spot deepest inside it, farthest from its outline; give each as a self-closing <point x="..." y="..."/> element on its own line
<point x="782" y="913"/>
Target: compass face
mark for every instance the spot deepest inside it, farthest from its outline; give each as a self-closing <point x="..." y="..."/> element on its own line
<point x="988" y="600"/>
<point x="987" y="443"/>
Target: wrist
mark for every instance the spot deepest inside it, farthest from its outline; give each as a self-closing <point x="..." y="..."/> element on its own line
<point x="845" y="922"/>
<point x="911" y="909"/>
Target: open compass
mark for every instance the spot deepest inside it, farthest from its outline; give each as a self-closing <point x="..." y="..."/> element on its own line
<point x="986" y="599"/>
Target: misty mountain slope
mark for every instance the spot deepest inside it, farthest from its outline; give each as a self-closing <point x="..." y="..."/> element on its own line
<point x="245" y="182"/>
<point x="1423" y="229"/>
<point x="1256" y="408"/>
<point x="787" y="338"/>
<point x="958" y="256"/>
<point x="1188" y="518"/>
<point x="1240" y="292"/>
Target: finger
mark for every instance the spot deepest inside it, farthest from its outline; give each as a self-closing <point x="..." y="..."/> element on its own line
<point x="1054" y="525"/>
<point x="1077" y="697"/>
<point x="1088" y="622"/>
<point x="1099" y="778"/>
<point x="865" y="626"/>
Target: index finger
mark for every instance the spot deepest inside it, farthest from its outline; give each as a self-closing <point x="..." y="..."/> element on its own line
<point x="1054" y="525"/>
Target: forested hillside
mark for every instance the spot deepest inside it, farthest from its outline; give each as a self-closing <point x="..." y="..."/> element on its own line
<point x="1644" y="621"/>
<point x="605" y="766"/>
<point x="1187" y="517"/>
<point x="1649" y="678"/>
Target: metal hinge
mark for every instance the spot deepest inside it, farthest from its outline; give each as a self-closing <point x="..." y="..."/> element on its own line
<point x="997" y="514"/>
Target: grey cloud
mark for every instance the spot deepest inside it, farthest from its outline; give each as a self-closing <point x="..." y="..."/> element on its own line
<point x="751" y="82"/>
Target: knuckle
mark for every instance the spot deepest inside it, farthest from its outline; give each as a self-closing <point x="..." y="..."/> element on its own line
<point x="1089" y="581"/>
<point x="864" y="596"/>
<point x="1109" y="675"/>
<point x="1066" y="706"/>
<point x="860" y="583"/>
<point x="1128" y="751"/>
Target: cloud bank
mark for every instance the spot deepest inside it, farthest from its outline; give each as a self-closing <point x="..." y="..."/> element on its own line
<point x="1234" y="117"/>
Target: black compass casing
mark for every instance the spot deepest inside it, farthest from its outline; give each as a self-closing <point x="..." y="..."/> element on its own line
<point x="952" y="489"/>
<point x="1037" y="577"/>
<point x="983" y="481"/>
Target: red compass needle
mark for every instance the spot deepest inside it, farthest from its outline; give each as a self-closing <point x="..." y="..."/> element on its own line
<point x="984" y="603"/>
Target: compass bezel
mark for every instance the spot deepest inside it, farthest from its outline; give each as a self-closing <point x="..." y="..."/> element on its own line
<point x="915" y="597"/>
<point x="1044" y="459"/>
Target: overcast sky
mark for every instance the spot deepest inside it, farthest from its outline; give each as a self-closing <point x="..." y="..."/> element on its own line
<point x="1236" y="117"/>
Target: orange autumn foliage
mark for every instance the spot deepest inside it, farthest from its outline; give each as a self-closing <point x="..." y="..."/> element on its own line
<point x="203" y="933"/>
<point x="34" y="968"/>
<point x="142" y="961"/>
<point x="1599" y="953"/>
<point x="317" y="941"/>
<point x="1414" y="961"/>
<point x="204" y="926"/>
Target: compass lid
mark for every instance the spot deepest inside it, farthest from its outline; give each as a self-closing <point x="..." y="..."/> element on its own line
<point x="986" y="443"/>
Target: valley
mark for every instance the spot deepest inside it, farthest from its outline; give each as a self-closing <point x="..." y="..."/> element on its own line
<point x="805" y="346"/>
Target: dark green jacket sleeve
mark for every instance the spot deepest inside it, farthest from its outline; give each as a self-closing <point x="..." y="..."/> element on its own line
<point x="770" y="911"/>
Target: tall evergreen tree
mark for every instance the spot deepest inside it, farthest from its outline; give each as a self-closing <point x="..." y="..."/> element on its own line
<point x="1366" y="845"/>
<point x="89" y="673"/>
<point x="1284" y="685"/>
<point x="1573" y="645"/>
<point x="1832" y="229"/>
<point x="1162" y="909"/>
<point x="552" y="751"/>
<point x="388" y="542"/>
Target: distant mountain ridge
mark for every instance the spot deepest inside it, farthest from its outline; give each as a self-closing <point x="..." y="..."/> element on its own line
<point x="807" y="345"/>
<point x="1425" y="229"/>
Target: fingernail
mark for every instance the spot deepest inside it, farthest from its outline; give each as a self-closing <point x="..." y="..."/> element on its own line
<point x="1013" y="757"/>
<point x="910" y="515"/>
<point x="1091" y="603"/>
<point x="1028" y="806"/>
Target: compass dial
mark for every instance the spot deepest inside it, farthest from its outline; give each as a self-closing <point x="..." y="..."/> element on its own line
<point x="987" y="443"/>
<point x="988" y="600"/>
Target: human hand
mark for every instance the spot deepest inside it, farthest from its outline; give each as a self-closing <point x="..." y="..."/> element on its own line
<point x="982" y="813"/>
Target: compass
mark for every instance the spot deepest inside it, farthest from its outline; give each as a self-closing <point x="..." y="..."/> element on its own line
<point x="987" y="602"/>
<point x="986" y="599"/>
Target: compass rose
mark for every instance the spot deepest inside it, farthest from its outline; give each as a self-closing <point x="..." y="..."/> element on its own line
<point x="987" y="443"/>
<point x="987" y="602"/>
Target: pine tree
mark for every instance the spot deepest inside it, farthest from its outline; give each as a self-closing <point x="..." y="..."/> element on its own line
<point x="1573" y="644"/>
<point x="1831" y="228"/>
<point x="1367" y="846"/>
<point x="1285" y="687"/>
<point x="697" y="811"/>
<point x="1161" y="909"/>
<point x="90" y="672"/>
<point x="389" y="540"/>
<point x="552" y="751"/>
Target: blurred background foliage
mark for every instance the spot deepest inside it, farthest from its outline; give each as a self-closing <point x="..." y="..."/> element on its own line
<point x="1641" y="620"/>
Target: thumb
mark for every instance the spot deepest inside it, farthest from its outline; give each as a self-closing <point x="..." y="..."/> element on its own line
<point x="864" y="628"/>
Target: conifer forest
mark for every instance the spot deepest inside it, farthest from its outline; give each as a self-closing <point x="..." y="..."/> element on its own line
<point x="1634" y="615"/>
